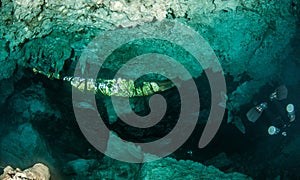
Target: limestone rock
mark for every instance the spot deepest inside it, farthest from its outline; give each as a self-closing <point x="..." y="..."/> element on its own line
<point x="169" y="168"/>
<point x="31" y="104"/>
<point x="81" y="167"/>
<point x="243" y="94"/>
<point x="38" y="172"/>
<point x="127" y="151"/>
<point x="23" y="147"/>
<point x="166" y="168"/>
<point x="6" y="89"/>
<point x="46" y="54"/>
<point x="112" y="169"/>
<point x="246" y="35"/>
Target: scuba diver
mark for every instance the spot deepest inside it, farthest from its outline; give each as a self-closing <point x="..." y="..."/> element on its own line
<point x="254" y="113"/>
<point x="290" y="111"/>
<point x="279" y="123"/>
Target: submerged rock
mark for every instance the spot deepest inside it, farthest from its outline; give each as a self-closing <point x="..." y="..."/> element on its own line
<point x="31" y="104"/>
<point x="169" y="168"/>
<point x="245" y="35"/>
<point x="38" y="172"/>
<point x="24" y="147"/>
<point x="166" y="168"/>
<point x="6" y="89"/>
<point x="251" y="39"/>
<point x="112" y="169"/>
<point x="81" y="167"/>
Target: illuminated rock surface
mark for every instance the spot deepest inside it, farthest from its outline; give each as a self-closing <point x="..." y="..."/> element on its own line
<point x="37" y="172"/>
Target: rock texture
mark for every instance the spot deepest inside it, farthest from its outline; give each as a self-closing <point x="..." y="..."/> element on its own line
<point x="250" y="37"/>
<point x="32" y="105"/>
<point x="6" y="89"/>
<point x="38" y="172"/>
<point x="23" y="147"/>
<point x="169" y="168"/>
<point x="246" y="35"/>
<point x="242" y="32"/>
<point x="166" y="168"/>
<point x="81" y="167"/>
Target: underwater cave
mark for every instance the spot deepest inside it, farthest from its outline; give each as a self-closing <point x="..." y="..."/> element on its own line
<point x="150" y="90"/>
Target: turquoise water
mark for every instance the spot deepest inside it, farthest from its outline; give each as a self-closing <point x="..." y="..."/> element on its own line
<point x="54" y="88"/>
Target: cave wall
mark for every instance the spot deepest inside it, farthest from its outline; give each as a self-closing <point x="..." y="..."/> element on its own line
<point x="249" y="37"/>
